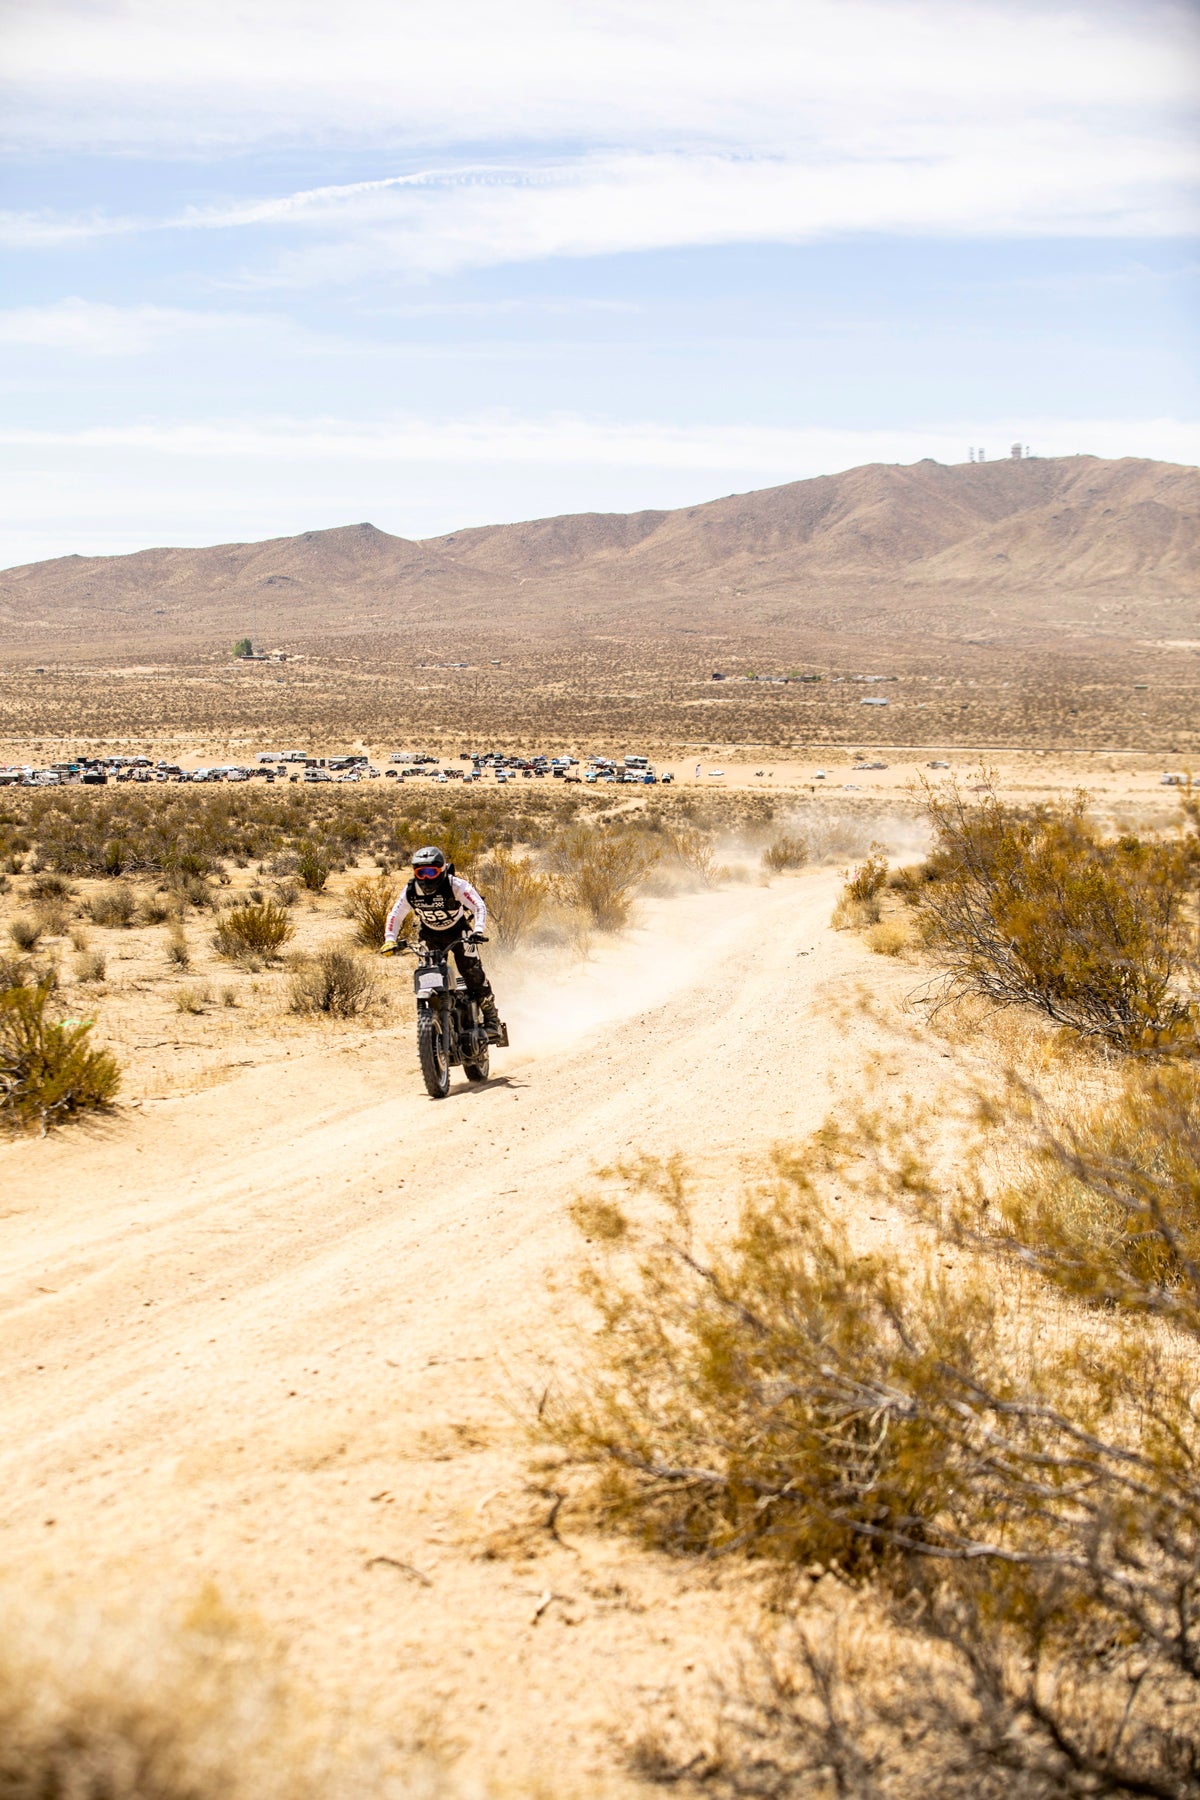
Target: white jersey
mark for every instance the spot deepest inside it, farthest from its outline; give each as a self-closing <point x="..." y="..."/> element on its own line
<point x="468" y="901"/>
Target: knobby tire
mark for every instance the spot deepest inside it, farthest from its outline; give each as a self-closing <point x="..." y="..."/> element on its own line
<point x="434" y="1053"/>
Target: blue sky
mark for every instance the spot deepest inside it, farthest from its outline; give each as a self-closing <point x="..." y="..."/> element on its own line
<point x="273" y="265"/>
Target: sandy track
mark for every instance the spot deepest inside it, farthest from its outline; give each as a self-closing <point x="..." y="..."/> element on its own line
<point x="266" y="1333"/>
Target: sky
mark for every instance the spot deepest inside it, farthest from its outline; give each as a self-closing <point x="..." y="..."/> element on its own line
<point x="277" y="265"/>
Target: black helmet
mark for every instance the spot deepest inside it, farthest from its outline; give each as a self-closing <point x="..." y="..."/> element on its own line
<point x="429" y="864"/>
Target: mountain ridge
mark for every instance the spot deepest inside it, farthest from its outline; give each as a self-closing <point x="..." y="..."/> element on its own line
<point x="1040" y="538"/>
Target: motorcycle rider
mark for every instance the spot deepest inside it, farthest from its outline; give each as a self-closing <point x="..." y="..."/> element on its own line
<point x="450" y="915"/>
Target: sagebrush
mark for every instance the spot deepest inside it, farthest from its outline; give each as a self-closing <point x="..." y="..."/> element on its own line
<point x="48" y="1070"/>
<point x="1034" y="906"/>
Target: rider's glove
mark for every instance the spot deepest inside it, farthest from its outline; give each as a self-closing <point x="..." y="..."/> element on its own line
<point x="388" y="950"/>
<point x="476" y="937"/>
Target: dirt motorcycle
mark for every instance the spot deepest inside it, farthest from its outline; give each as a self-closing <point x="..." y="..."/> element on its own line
<point x="450" y="1028"/>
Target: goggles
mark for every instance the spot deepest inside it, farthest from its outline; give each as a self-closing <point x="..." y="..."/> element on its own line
<point x="426" y="871"/>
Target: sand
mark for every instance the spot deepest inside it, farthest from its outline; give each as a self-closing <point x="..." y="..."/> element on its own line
<point x="284" y="1335"/>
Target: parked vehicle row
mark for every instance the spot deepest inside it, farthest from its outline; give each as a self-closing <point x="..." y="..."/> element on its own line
<point x="297" y="765"/>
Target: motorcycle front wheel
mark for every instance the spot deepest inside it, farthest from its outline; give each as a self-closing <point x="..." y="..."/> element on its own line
<point x="434" y="1052"/>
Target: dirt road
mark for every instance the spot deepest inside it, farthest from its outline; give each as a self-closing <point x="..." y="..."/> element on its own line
<point x="273" y="1335"/>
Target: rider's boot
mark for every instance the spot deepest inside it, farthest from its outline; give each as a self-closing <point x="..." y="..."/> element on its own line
<point x="491" y="1018"/>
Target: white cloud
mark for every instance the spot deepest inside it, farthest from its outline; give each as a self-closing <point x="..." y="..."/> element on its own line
<point x="1050" y="181"/>
<point x="93" y="328"/>
<point x="603" y="205"/>
<point x="137" y="73"/>
<point x="661" y="123"/>
<point x="41" y="231"/>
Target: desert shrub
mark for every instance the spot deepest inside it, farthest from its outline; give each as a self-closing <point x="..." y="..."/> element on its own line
<point x="47" y="1070"/>
<point x="252" y="930"/>
<point x="46" y="885"/>
<point x="336" y="981"/>
<point x="1035" y="908"/>
<point x="368" y="903"/>
<point x="119" y="1705"/>
<point x="865" y="882"/>
<point x="112" y="906"/>
<point x="601" y="870"/>
<point x="760" y="1397"/>
<point x="1103" y="1201"/>
<point x="24" y="971"/>
<point x="313" y="865"/>
<point x="889" y="937"/>
<point x="178" y="952"/>
<point x="693" y="849"/>
<point x="193" y="890"/>
<point x="53" y="917"/>
<point x="25" y="932"/>
<point x="858" y="905"/>
<point x="1028" y="1522"/>
<point x="191" y="1000"/>
<point x="89" y="965"/>
<point x="463" y="839"/>
<point x="155" y="909"/>
<point x="785" y="852"/>
<point x="909" y="880"/>
<point x="516" y="893"/>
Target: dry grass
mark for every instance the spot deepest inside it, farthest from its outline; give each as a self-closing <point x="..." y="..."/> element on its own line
<point x="94" y="1707"/>
<point x="89" y="965"/>
<point x="114" y="906"/>
<point x="340" y="983"/>
<point x="892" y="936"/>
<point x="178" y="952"/>
<point x="192" y="1000"/>
<point x="25" y="932"/>
<point x="860" y="904"/>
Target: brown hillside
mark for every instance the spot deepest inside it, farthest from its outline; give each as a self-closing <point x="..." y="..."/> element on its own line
<point x="1042" y="545"/>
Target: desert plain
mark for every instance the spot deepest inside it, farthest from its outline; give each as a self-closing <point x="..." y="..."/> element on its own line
<point x="277" y="1326"/>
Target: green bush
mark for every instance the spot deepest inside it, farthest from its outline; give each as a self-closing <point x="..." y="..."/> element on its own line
<point x="253" y="929"/>
<point x="47" y="1070"/>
